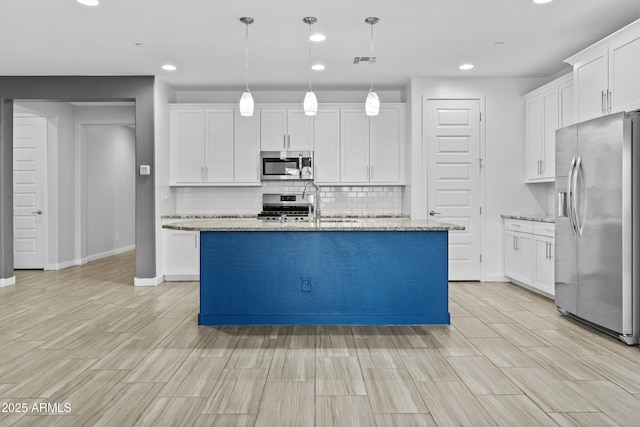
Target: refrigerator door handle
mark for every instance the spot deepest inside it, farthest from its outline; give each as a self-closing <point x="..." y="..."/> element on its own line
<point x="576" y="173"/>
<point x="570" y="198"/>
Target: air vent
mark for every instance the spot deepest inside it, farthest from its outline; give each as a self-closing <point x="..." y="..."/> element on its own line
<point x="359" y="59"/>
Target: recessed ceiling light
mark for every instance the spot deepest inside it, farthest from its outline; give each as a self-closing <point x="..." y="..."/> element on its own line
<point x="169" y="67"/>
<point x="89" y="2"/>
<point x="318" y="67"/>
<point x="498" y="44"/>
<point x="542" y="1"/>
<point x="317" y="37"/>
<point x="466" y="66"/>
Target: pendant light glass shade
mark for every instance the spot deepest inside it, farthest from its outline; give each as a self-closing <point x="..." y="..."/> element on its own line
<point x="246" y="104"/>
<point x="310" y="104"/>
<point x="372" y="104"/>
<point x="246" y="100"/>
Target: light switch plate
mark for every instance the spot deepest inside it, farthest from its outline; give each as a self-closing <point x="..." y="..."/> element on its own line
<point x="145" y="170"/>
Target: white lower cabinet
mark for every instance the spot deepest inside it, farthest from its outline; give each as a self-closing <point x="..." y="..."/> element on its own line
<point x="529" y="248"/>
<point x="181" y="254"/>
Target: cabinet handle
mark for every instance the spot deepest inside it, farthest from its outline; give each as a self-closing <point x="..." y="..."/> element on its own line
<point x="546" y="250"/>
<point x="550" y="249"/>
<point x="372" y="171"/>
<point x="284" y="141"/>
<point x="288" y="141"/>
<point x="202" y="172"/>
<point x="541" y="166"/>
<point x="609" y="101"/>
<point x="602" y="102"/>
<point x="206" y="173"/>
<point x="195" y="240"/>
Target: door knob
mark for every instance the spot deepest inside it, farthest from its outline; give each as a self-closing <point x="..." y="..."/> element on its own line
<point x="39" y="212"/>
<point x="432" y="213"/>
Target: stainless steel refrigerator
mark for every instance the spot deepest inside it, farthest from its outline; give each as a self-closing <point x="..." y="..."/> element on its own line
<point x="597" y="227"/>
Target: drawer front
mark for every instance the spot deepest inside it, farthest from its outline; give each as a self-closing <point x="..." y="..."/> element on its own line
<point x="518" y="225"/>
<point x="544" y="229"/>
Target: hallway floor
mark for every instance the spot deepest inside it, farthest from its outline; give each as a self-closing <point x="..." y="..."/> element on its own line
<point x="100" y="351"/>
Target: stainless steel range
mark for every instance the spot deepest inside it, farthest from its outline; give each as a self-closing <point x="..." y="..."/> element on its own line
<point x="283" y="207"/>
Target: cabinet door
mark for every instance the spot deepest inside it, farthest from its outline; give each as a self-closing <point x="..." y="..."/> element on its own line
<point x="326" y="138"/>
<point x="246" y="154"/>
<point x="354" y="135"/>
<point x="550" y="125"/>
<point x="624" y="83"/>
<point x="273" y="129"/>
<point x="534" y="137"/>
<point x="187" y="145"/>
<point x="299" y="130"/>
<point x="384" y="153"/>
<point x="567" y="100"/>
<point x="543" y="277"/>
<point x="511" y="260"/>
<point x="181" y="254"/>
<point x="524" y="247"/>
<point x="218" y="149"/>
<point x="590" y="86"/>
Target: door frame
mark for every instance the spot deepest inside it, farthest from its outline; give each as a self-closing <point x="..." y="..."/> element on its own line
<point x="481" y="149"/>
<point x="45" y="187"/>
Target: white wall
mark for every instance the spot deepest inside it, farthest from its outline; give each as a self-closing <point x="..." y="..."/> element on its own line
<point x="504" y="155"/>
<point x="110" y="189"/>
<point x="165" y="198"/>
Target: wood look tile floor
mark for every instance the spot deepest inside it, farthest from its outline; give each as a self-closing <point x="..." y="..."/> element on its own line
<point x="100" y="351"/>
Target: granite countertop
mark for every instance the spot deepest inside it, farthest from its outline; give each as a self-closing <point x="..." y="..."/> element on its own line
<point x="240" y="216"/>
<point x="538" y="218"/>
<point x="327" y="224"/>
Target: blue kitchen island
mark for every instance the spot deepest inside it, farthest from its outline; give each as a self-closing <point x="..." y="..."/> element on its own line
<point x="338" y="272"/>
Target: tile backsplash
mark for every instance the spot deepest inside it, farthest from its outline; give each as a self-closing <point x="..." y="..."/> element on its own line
<point x="334" y="200"/>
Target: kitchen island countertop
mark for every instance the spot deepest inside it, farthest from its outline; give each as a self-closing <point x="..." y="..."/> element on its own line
<point x="330" y="224"/>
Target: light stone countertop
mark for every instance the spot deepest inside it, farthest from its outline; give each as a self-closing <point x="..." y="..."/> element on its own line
<point x="327" y="224"/>
<point x="538" y="218"/>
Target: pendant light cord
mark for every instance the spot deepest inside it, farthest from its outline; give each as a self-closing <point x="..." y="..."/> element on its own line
<point x="246" y="56"/>
<point x="371" y="59"/>
<point x="309" y="57"/>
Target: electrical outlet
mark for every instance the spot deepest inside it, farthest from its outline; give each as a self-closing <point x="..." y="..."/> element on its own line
<point x="306" y="284"/>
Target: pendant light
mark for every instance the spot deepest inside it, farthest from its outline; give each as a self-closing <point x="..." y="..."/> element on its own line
<point x="372" y="104"/>
<point x="246" y="100"/>
<point x="310" y="103"/>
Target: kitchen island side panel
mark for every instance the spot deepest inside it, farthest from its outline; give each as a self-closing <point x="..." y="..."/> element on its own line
<point x="323" y="277"/>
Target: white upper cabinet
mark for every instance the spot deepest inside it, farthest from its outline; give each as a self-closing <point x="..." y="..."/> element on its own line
<point x="605" y="75"/>
<point x="186" y="135"/>
<point x="326" y="138"/>
<point x="372" y="146"/>
<point x="246" y="160"/>
<point x="285" y="129"/>
<point x="213" y="145"/>
<point x="548" y="109"/>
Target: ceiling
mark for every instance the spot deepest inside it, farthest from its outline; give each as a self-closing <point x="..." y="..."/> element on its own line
<point x="205" y="39"/>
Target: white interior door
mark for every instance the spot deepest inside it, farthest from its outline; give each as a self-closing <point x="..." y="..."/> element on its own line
<point x="453" y="150"/>
<point x="29" y="145"/>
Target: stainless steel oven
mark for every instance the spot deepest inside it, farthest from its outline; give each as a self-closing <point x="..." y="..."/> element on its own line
<point x="293" y="165"/>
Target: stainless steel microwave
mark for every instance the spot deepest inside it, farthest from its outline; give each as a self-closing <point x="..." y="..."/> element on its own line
<point x="293" y="165"/>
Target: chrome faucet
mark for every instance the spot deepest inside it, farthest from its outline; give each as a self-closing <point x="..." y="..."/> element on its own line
<point x="316" y="202"/>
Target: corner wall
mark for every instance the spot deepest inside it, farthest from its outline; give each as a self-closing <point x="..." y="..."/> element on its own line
<point x="503" y="147"/>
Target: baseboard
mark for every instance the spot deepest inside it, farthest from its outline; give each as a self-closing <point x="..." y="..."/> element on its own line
<point x="181" y="277"/>
<point x="8" y="281"/>
<point x="148" y="281"/>
<point x="496" y="278"/>
<point x="63" y="265"/>
<point x="112" y="252"/>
